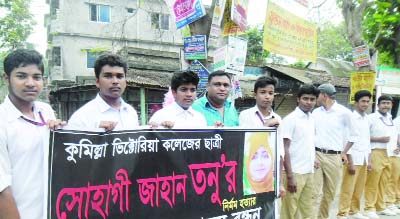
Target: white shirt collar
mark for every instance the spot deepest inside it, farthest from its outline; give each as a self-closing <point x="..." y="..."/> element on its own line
<point x="13" y="112"/>
<point x="104" y="106"/>
<point x="301" y="113"/>
<point x="180" y="110"/>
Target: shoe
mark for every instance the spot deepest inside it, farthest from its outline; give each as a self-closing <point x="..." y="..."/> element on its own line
<point x="358" y="215"/>
<point x="394" y="209"/>
<point x="387" y="212"/>
<point x="371" y="214"/>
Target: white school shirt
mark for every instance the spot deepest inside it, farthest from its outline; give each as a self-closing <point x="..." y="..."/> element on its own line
<point x="24" y="156"/>
<point x="249" y="119"/>
<point x="89" y="116"/>
<point x="299" y="127"/>
<point x="396" y="122"/>
<point x="334" y="128"/>
<point x="383" y="126"/>
<point x="362" y="148"/>
<point x="182" y="118"/>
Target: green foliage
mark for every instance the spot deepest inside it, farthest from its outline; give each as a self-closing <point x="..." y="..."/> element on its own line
<point x="299" y="65"/>
<point x="16" y="24"/>
<point x="255" y="51"/>
<point x="381" y="28"/>
<point x="333" y="42"/>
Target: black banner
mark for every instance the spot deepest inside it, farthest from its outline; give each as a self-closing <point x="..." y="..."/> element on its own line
<point x="162" y="174"/>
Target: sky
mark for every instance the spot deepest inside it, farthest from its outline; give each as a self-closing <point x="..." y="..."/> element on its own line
<point x="257" y="11"/>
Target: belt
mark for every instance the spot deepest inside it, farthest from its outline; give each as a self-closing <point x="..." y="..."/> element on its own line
<point x="325" y="151"/>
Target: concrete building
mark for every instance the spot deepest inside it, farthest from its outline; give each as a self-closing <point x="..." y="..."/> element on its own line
<point x="79" y="30"/>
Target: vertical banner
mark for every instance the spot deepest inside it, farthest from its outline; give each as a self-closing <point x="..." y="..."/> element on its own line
<point x="186" y="11"/>
<point x="361" y="56"/>
<point x="239" y="13"/>
<point x="203" y="73"/>
<point x="230" y="28"/>
<point x="389" y="77"/>
<point x="361" y="81"/>
<point x="236" y="56"/>
<point x="288" y="34"/>
<point x="195" y="47"/>
<point x="145" y="174"/>
<point x="220" y="58"/>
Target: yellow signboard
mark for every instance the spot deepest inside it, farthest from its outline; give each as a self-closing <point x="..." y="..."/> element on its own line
<point x="288" y="34"/>
<point x="361" y="81"/>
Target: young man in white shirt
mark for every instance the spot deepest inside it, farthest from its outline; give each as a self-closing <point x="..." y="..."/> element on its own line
<point x="355" y="171"/>
<point x="383" y="145"/>
<point x="335" y="134"/>
<point x="298" y="131"/>
<point x="263" y="116"/>
<point x="108" y="111"/>
<point x="24" y="138"/>
<point x="180" y="113"/>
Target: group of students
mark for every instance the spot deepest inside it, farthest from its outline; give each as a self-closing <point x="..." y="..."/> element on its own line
<point x="317" y="148"/>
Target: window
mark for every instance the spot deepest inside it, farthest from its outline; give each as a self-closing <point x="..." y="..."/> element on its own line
<point x="56" y="55"/>
<point x="91" y="58"/>
<point x="100" y="13"/>
<point x="160" y="21"/>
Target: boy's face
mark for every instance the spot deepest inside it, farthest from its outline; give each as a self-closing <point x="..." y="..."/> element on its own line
<point x="25" y="83"/>
<point x="111" y="82"/>
<point x="265" y="96"/>
<point x="185" y="95"/>
<point x="362" y="104"/>
<point x="307" y="102"/>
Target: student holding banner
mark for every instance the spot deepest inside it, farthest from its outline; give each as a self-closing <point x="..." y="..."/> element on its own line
<point x="383" y="145"/>
<point x="262" y="116"/>
<point x="24" y="138"/>
<point x="180" y="113"/>
<point x="298" y="132"/>
<point x="215" y="106"/>
<point x="108" y="111"/>
<point x="355" y="171"/>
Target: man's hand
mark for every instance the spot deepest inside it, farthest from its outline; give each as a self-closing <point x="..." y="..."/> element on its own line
<point x="218" y="124"/>
<point x="369" y="167"/>
<point x="8" y="207"/>
<point x="282" y="191"/>
<point x="385" y="139"/>
<point x="317" y="164"/>
<point x="351" y="169"/>
<point x="344" y="158"/>
<point x="167" y="124"/>
<point x="291" y="184"/>
<point x="108" y="125"/>
<point x="272" y="122"/>
<point x="55" y="124"/>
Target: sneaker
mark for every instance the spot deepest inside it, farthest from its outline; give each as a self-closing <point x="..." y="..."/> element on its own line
<point x="394" y="209"/>
<point x="387" y="212"/>
<point x="358" y="215"/>
<point x="371" y="214"/>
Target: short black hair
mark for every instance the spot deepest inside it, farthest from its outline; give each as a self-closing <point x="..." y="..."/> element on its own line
<point x="183" y="78"/>
<point x="263" y="81"/>
<point x="218" y="73"/>
<point x="21" y="58"/>
<point x="308" y="89"/>
<point x="362" y="93"/>
<point x="111" y="60"/>
<point x="384" y="97"/>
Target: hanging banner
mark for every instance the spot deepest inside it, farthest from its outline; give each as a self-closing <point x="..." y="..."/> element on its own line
<point x="389" y="77"/>
<point x="203" y="73"/>
<point x="195" y="47"/>
<point x="239" y="13"/>
<point x="220" y="58"/>
<point x="361" y="56"/>
<point x="361" y="81"/>
<point x="288" y="34"/>
<point x="186" y="11"/>
<point x="230" y="28"/>
<point x="236" y="56"/>
<point x="218" y="15"/>
<point x="161" y="174"/>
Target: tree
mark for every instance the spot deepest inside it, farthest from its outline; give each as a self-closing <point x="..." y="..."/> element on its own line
<point x="255" y="52"/>
<point x="16" y="25"/>
<point x="333" y="42"/>
<point x="382" y="30"/>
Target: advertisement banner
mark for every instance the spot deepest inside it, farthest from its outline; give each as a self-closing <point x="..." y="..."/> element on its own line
<point x="195" y="47"/>
<point x="389" y="77"/>
<point x="161" y="174"/>
<point x="203" y="73"/>
<point x="361" y="81"/>
<point x="361" y="56"/>
<point x="230" y="28"/>
<point x="187" y="11"/>
<point x="239" y="13"/>
<point x="288" y="34"/>
<point x="220" y="58"/>
<point x="236" y="56"/>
